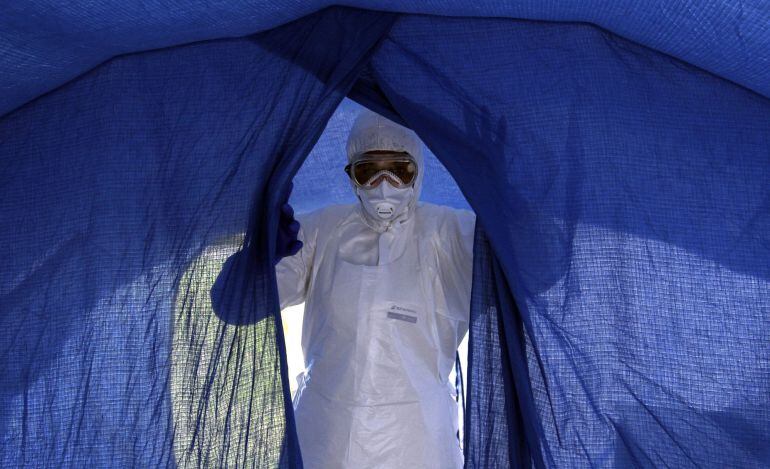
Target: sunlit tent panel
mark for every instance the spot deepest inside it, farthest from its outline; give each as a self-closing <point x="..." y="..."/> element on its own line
<point x="617" y="157"/>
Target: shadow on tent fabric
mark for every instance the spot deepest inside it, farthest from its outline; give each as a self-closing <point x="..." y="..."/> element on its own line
<point x="625" y="196"/>
<point x="122" y="194"/>
<point x="501" y="427"/>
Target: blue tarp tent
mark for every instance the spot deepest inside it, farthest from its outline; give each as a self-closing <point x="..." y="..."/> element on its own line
<point x="617" y="155"/>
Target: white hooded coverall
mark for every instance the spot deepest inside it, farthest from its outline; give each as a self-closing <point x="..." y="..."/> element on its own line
<point x="386" y="306"/>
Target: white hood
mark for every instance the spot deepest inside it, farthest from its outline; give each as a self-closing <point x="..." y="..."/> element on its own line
<point x="371" y="132"/>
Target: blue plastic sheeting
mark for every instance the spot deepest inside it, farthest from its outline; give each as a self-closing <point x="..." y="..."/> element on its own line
<point x="625" y="195"/>
<point x="621" y="300"/>
<point x="122" y="194"/>
<point x="43" y="44"/>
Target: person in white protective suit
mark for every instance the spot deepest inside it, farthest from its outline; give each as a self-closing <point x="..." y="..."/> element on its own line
<point x="387" y="289"/>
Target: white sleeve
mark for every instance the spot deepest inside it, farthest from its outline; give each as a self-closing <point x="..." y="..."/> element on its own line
<point x="457" y="263"/>
<point x="293" y="273"/>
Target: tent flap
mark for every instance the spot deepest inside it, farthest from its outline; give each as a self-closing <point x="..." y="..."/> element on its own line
<point x="625" y="197"/>
<point x="122" y="195"/>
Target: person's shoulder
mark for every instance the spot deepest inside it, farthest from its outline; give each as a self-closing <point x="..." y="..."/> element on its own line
<point x="336" y="210"/>
<point x="328" y="210"/>
<point x="449" y="230"/>
<point x="443" y="217"/>
<point x="330" y="214"/>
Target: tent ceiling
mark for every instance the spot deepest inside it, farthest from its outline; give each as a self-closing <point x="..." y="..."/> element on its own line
<point x="44" y="44"/>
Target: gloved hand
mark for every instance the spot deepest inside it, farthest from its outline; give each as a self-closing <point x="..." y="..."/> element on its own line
<point x="287" y="244"/>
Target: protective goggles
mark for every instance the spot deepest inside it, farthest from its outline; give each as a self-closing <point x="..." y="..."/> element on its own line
<point x="400" y="169"/>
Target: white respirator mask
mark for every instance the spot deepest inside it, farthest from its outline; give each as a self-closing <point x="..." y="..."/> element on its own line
<point x="385" y="202"/>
